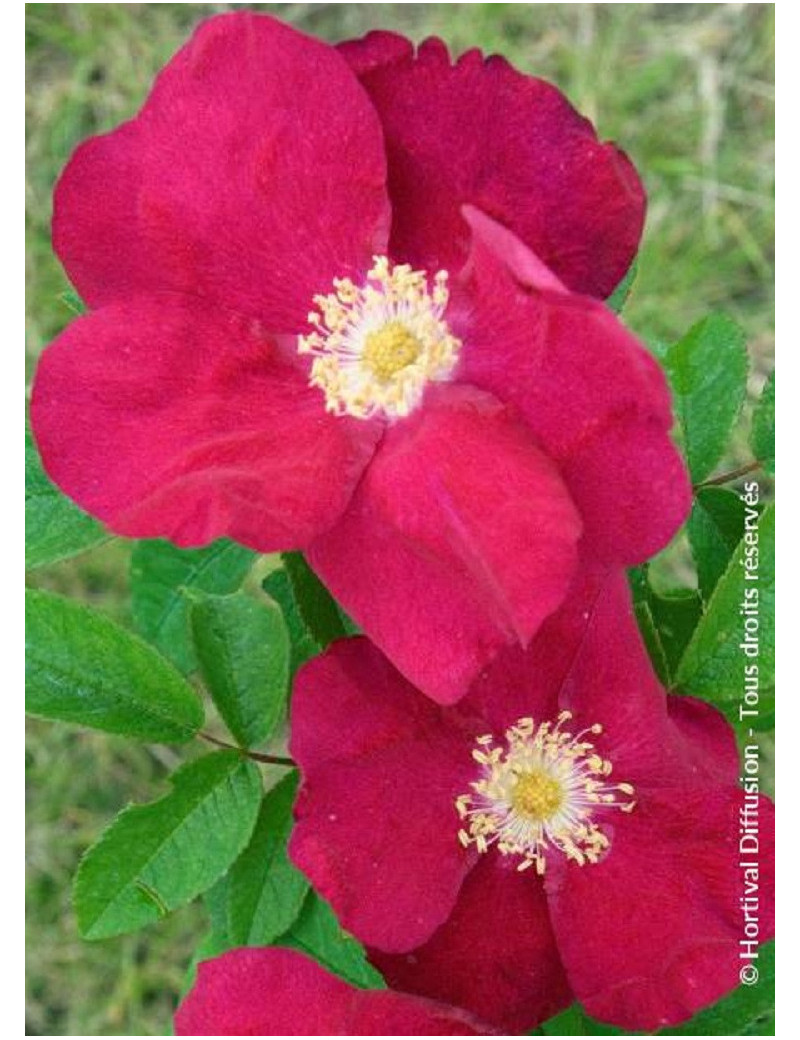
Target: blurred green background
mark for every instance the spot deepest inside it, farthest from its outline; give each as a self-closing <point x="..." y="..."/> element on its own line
<point x="686" y="89"/>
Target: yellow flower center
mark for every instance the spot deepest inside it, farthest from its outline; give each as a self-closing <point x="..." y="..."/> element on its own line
<point x="537" y="796"/>
<point x="540" y="793"/>
<point x="376" y="346"/>
<point x="390" y="349"/>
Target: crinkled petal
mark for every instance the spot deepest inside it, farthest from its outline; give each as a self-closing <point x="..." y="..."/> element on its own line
<point x="376" y="828"/>
<point x="496" y="955"/>
<point x="480" y="132"/>
<point x="375" y="51"/>
<point x="277" y="992"/>
<point x="167" y="416"/>
<point x="461" y="539"/>
<point x="593" y="396"/>
<point x="652" y="933"/>
<point x="253" y="175"/>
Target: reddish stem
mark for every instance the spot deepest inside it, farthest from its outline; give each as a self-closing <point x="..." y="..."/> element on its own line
<point x="273" y="760"/>
<point x="733" y="474"/>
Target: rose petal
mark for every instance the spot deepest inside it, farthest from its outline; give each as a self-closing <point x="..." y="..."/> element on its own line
<point x="495" y="955"/>
<point x="632" y="489"/>
<point x="592" y="395"/>
<point x="253" y="175"/>
<point x="709" y="740"/>
<point x="588" y="658"/>
<point x="376" y="828"/>
<point x="166" y="416"/>
<point x="480" y="132"/>
<point x="276" y="992"/>
<point x="611" y="681"/>
<point x="460" y="540"/>
<point x="529" y="682"/>
<point x="651" y="934"/>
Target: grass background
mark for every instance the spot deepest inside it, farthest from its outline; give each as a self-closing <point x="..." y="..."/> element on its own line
<point x="686" y="89"/>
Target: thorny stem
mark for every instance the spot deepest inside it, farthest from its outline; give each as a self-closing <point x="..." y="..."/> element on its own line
<point x="273" y="760"/>
<point x="733" y="474"/>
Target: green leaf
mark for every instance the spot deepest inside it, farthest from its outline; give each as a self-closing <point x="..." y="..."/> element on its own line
<point x="216" y="940"/>
<point x="762" y="436"/>
<point x="666" y="621"/>
<point x="161" y="571"/>
<point x="707" y="370"/>
<point x="713" y="666"/>
<point x="349" y="626"/>
<point x="154" y="858"/>
<point x="714" y="529"/>
<point x="243" y="650"/>
<point x="266" y="893"/>
<point x="315" y="605"/>
<point x="617" y="300"/>
<point x="652" y="640"/>
<point x="83" y="668"/>
<point x="639" y="582"/>
<point x="748" y="1011"/>
<point x="303" y="646"/>
<point x="312" y="616"/>
<point x="676" y="615"/>
<point x="71" y="300"/>
<point x="55" y="528"/>
<point x="575" y="1022"/>
<point x="215" y="900"/>
<point x="211" y="945"/>
<point x="318" y="934"/>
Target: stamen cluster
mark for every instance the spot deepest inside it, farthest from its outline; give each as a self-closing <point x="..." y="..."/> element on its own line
<point x="540" y="793"/>
<point x="376" y="346"/>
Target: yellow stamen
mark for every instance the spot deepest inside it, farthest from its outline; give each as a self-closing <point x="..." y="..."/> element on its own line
<point x="539" y="794"/>
<point x="390" y="349"/>
<point x="377" y="346"/>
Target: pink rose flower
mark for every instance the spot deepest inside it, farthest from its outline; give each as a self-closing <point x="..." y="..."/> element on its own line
<point x="567" y="832"/>
<point x="342" y="301"/>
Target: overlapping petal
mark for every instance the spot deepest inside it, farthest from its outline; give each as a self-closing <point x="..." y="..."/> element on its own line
<point x="496" y="953"/>
<point x="369" y="831"/>
<point x="277" y="992"/>
<point x="651" y="934"/>
<point x="530" y="682"/>
<point x="461" y="538"/>
<point x="168" y="416"/>
<point x="592" y="395"/>
<point x="253" y="175"/>
<point x="477" y="131"/>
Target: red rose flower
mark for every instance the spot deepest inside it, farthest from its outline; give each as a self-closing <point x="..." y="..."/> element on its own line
<point x="568" y="831"/>
<point x="276" y="992"/>
<point x="329" y="313"/>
